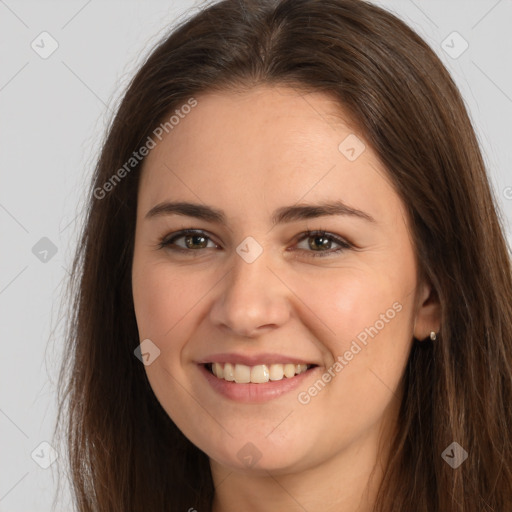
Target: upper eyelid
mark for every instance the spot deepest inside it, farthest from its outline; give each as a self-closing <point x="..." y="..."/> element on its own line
<point x="186" y="232"/>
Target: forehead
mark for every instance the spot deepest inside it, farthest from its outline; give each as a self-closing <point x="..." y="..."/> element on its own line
<point x="265" y="146"/>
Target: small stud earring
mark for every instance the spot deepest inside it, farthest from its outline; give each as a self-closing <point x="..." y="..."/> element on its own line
<point x="433" y="336"/>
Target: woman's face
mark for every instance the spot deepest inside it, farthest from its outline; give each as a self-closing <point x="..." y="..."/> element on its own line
<point x="252" y="289"/>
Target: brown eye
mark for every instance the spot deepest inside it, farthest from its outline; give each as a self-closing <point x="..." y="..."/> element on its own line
<point x="192" y="240"/>
<point x="319" y="243"/>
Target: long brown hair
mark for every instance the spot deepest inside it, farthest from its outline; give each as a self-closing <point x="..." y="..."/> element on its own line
<point x="125" y="453"/>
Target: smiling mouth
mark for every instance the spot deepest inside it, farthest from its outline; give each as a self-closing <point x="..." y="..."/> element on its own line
<point x="259" y="374"/>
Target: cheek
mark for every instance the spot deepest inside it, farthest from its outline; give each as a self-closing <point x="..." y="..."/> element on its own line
<point x="164" y="300"/>
<point x="162" y="297"/>
<point x="369" y="319"/>
<point x="348" y="302"/>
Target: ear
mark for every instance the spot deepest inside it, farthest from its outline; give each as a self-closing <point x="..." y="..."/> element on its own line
<point x="428" y="311"/>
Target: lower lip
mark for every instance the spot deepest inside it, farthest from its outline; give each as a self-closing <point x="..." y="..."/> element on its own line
<point x="254" y="393"/>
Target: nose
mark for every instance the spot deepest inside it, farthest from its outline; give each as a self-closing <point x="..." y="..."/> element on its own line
<point x="252" y="299"/>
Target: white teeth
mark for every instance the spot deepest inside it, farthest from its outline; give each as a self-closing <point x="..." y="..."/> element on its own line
<point x="259" y="374"/>
<point x="276" y="371"/>
<point x="218" y="370"/>
<point x="228" y="372"/>
<point x="242" y="374"/>
<point x="289" y="370"/>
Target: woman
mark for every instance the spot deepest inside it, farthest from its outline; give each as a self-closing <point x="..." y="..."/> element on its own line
<point x="216" y="360"/>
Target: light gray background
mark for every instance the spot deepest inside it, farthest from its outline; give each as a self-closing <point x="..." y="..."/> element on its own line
<point x="53" y="115"/>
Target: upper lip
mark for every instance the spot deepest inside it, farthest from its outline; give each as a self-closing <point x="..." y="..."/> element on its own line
<point x="253" y="360"/>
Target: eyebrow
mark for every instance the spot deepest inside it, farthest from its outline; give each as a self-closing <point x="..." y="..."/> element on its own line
<point x="280" y="216"/>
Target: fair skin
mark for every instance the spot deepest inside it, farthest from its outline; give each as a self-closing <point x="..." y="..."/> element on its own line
<point x="249" y="154"/>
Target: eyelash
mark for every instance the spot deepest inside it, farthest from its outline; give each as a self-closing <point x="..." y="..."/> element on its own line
<point x="167" y="241"/>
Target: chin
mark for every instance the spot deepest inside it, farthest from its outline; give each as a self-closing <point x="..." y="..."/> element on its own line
<point x="259" y="456"/>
